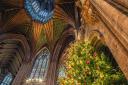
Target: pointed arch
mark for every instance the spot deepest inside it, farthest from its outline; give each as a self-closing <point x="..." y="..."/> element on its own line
<point x="67" y="36"/>
<point x="40" y="67"/>
<point x="96" y="38"/>
<point x="18" y="38"/>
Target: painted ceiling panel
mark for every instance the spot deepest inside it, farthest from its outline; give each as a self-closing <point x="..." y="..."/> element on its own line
<point x="61" y="14"/>
<point x="37" y="28"/>
<point x="17" y="21"/>
<point x="68" y="9"/>
<point x="34" y="33"/>
<point x="7" y="14"/>
<point x="59" y="26"/>
<point x="42" y="40"/>
<point x="48" y="29"/>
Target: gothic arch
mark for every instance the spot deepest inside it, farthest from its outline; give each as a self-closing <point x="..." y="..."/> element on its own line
<point x="18" y="38"/>
<point x="96" y="38"/>
<point x="57" y="52"/>
<point x="14" y="50"/>
<point x="39" y="68"/>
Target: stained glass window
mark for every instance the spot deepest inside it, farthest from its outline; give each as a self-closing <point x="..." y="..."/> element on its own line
<point x="7" y="80"/>
<point x="40" y="10"/>
<point x="40" y="67"/>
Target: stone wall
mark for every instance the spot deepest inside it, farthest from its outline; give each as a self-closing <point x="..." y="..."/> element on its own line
<point x="110" y="21"/>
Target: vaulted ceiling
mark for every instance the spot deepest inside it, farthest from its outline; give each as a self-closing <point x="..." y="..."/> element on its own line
<point x="15" y="20"/>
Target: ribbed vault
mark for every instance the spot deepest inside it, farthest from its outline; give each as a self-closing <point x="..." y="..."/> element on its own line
<point x="38" y="33"/>
<point x="21" y="38"/>
<point x="16" y="21"/>
<point x="14" y="50"/>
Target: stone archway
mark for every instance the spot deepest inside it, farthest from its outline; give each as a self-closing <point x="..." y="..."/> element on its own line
<point x="111" y="44"/>
<point x="18" y="38"/>
<point x="16" y="48"/>
<point x="67" y="36"/>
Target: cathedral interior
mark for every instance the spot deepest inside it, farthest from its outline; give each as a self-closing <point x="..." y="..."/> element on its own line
<point x="34" y="36"/>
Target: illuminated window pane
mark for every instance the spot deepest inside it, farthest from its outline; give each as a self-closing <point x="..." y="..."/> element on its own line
<point x="40" y="67"/>
<point x="7" y="80"/>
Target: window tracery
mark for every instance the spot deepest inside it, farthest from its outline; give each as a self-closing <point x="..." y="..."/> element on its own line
<point x="40" y="67"/>
<point x="7" y="79"/>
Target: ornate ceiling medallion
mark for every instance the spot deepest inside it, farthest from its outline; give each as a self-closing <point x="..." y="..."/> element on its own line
<point x="40" y="10"/>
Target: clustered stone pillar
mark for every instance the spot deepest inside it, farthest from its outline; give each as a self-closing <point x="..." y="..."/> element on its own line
<point x="22" y="73"/>
<point x="116" y="31"/>
<point x="51" y="78"/>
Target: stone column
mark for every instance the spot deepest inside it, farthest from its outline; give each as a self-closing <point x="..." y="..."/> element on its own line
<point x="116" y="31"/>
<point x="22" y="73"/>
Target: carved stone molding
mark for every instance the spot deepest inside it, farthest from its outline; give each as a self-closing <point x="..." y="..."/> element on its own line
<point x="112" y="24"/>
<point x="21" y="39"/>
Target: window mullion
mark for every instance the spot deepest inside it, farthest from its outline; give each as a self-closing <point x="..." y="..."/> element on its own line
<point x="45" y="66"/>
<point x="35" y="69"/>
<point x="41" y="67"/>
